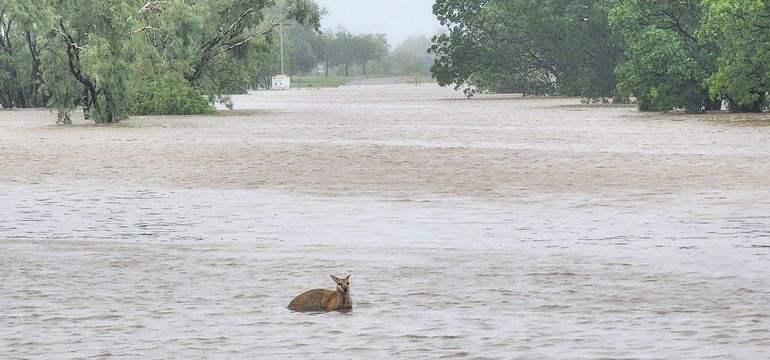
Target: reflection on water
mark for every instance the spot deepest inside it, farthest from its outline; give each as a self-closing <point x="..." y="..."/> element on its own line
<point x="208" y="273"/>
<point x="513" y="228"/>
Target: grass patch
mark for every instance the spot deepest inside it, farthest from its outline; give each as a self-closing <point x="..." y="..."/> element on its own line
<point x="317" y="81"/>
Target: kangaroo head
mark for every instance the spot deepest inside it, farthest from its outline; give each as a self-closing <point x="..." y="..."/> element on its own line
<point x="342" y="283"/>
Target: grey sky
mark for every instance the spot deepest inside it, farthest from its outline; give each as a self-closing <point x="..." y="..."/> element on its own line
<point x="398" y="19"/>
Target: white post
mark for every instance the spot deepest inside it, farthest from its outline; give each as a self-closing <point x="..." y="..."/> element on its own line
<point x="282" y="70"/>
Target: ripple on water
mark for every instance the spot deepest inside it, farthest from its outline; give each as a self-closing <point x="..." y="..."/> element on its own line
<point x="183" y="283"/>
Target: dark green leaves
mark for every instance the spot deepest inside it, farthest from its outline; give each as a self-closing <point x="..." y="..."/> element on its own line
<point x="533" y="47"/>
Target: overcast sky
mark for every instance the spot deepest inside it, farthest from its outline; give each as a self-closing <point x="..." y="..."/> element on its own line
<point x="398" y="19"/>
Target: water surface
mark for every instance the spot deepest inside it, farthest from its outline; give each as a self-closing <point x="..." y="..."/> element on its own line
<point x="494" y="228"/>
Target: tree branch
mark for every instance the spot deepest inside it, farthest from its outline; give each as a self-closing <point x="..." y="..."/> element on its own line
<point x="151" y="5"/>
<point x="739" y="16"/>
<point x="247" y="39"/>
<point x="236" y="22"/>
<point x="148" y="27"/>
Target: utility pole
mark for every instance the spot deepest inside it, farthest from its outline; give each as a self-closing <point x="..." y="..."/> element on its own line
<point x="282" y="70"/>
<point x="281" y="81"/>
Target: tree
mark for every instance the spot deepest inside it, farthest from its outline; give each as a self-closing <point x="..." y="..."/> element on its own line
<point x="342" y="50"/>
<point x="9" y="77"/>
<point x="665" y="64"/>
<point x="534" y="47"/>
<point x="368" y="47"/>
<point x="109" y="55"/>
<point x="304" y="49"/>
<point x="95" y="37"/>
<point x="217" y="53"/>
<point x="20" y="68"/>
<point x="325" y="45"/>
<point x="411" y="57"/>
<point x="742" y="32"/>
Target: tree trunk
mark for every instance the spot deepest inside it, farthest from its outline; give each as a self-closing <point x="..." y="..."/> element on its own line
<point x="754" y="107"/>
<point x="346" y="70"/>
<point x="326" y="69"/>
<point x="86" y="104"/>
<point x="6" y="101"/>
<point x="15" y="95"/>
<point x="94" y="106"/>
<point x="364" y="68"/>
<point x="713" y="105"/>
<point x="21" y="99"/>
<point x="35" y="74"/>
<point x="109" y="103"/>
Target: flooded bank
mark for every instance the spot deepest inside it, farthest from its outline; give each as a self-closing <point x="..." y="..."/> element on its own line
<point x="494" y="228"/>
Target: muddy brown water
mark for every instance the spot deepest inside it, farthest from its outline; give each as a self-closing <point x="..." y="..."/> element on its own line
<point x="498" y="227"/>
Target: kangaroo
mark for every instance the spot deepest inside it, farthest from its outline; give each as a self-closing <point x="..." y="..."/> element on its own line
<point x="325" y="300"/>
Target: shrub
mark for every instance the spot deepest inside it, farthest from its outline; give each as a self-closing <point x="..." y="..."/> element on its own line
<point x="169" y="96"/>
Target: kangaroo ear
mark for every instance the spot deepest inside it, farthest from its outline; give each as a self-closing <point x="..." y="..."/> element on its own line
<point x="348" y="278"/>
<point x="334" y="278"/>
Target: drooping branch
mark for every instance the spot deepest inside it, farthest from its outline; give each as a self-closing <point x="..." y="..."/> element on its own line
<point x="6" y="32"/>
<point x="238" y="23"/>
<point x="148" y="27"/>
<point x="753" y="24"/>
<point x="247" y="39"/>
<point x="228" y="39"/>
<point x="671" y="21"/>
<point x="73" y="55"/>
<point x="152" y="5"/>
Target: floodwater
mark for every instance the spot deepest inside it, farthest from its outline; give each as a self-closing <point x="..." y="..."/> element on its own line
<point x="497" y="227"/>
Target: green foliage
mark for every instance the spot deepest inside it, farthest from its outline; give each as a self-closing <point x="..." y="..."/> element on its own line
<point x="410" y="57"/>
<point x="534" y="47"/>
<point x="742" y="31"/>
<point x="369" y="47"/>
<point x="69" y="53"/>
<point x="20" y="73"/>
<point x="65" y="91"/>
<point x="689" y="54"/>
<point x="304" y="48"/>
<point x="345" y="49"/>
<point x="665" y="64"/>
<point x="342" y="50"/>
<point x="95" y="38"/>
<point x="169" y="96"/>
<point x="220" y="54"/>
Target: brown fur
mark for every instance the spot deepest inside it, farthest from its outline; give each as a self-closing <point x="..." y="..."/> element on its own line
<point x="325" y="300"/>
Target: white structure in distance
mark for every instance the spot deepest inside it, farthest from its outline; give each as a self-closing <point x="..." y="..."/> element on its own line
<point x="281" y="82"/>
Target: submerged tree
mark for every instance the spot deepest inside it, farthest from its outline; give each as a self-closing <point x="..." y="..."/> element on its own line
<point x="117" y="57"/>
<point x="95" y="39"/>
<point x="20" y="63"/>
<point x="534" y="47"/>
<point x="215" y="45"/>
<point x="665" y="63"/>
<point x="741" y="29"/>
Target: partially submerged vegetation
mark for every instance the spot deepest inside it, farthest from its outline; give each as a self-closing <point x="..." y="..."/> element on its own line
<point x="116" y="57"/>
<point x="689" y="55"/>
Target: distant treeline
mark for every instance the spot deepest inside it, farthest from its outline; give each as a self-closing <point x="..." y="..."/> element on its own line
<point x="689" y="54"/>
<point x="340" y="53"/>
